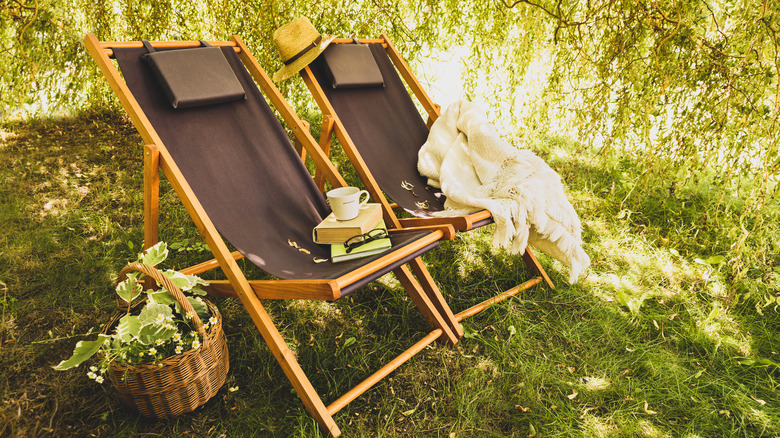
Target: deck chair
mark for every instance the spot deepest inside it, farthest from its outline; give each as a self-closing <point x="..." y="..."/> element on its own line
<point x="381" y="131"/>
<point x="240" y="179"/>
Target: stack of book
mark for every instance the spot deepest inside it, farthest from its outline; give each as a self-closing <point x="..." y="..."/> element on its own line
<point x="335" y="233"/>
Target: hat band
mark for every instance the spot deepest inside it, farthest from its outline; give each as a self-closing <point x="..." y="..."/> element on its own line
<point x="303" y="52"/>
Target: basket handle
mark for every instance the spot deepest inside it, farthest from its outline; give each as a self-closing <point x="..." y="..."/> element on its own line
<point x="170" y="287"/>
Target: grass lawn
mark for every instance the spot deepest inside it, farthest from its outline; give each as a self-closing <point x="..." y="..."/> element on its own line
<point x="655" y="341"/>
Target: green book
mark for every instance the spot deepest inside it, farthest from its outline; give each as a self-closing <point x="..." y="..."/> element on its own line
<point x="338" y="252"/>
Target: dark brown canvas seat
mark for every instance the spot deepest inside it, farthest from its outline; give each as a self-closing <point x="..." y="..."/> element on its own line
<point x="241" y="180"/>
<point x="237" y="154"/>
<point x="381" y="131"/>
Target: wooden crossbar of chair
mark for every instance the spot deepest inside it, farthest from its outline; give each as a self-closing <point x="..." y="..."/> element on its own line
<point x="421" y="289"/>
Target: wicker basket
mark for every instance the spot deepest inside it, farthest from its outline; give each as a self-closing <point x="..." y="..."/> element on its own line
<point x="179" y="383"/>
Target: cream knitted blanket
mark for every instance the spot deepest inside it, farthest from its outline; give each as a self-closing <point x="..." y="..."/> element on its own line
<point x="475" y="169"/>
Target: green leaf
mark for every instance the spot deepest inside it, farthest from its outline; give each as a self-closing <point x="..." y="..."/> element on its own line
<point x="162" y="296"/>
<point x="349" y="342"/>
<point x="623" y="298"/>
<point x="713" y="313"/>
<point x="149" y="314"/>
<point x="150" y="333"/>
<point x="715" y="260"/>
<point x="198" y="291"/>
<point x="200" y="308"/>
<point x="184" y="282"/>
<point x="760" y="362"/>
<point x="155" y="255"/>
<point x="469" y="333"/>
<point x="712" y="260"/>
<point x="83" y="351"/>
<point x="633" y="304"/>
<point x="129" y="289"/>
<point x="128" y="328"/>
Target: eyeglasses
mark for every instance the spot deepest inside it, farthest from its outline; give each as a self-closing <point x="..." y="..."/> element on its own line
<point x="361" y="239"/>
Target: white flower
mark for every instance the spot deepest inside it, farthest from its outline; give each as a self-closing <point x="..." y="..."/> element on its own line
<point x="160" y="319"/>
<point x="99" y="379"/>
<point x="206" y="327"/>
<point x="213" y="320"/>
<point x="169" y="318"/>
<point x="170" y="326"/>
<point x="189" y="315"/>
<point x="177" y="336"/>
<point x="93" y="368"/>
<point x="159" y="342"/>
<point x="178" y="349"/>
<point x="195" y="344"/>
<point x="91" y="375"/>
<point x="152" y="351"/>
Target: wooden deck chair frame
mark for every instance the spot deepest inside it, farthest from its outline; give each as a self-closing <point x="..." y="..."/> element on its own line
<point x="332" y="126"/>
<point x="422" y="290"/>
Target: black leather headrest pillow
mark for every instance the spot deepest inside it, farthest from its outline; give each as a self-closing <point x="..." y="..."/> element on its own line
<point x="195" y="77"/>
<point x="352" y="66"/>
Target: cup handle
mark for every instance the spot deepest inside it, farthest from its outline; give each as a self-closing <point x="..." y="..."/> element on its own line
<point x="362" y="192"/>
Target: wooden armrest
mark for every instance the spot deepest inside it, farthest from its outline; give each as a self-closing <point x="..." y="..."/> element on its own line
<point x="448" y="231"/>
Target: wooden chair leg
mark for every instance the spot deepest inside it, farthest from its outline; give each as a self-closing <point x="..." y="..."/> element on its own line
<point x="533" y="264"/>
<point x="286" y="359"/>
<point x="151" y="195"/>
<point x="434" y="294"/>
<point x="429" y="310"/>
<point x="151" y="202"/>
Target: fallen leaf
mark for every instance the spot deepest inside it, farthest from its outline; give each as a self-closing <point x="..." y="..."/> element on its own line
<point x="649" y="411"/>
<point x="523" y="409"/>
<point x="573" y="395"/>
<point x="408" y="413"/>
<point x="758" y="400"/>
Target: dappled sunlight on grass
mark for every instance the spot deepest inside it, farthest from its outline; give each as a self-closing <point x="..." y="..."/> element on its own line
<point x="597" y="427"/>
<point x="596" y="383"/>
<point x="630" y="263"/>
<point x="4" y="136"/>
<point x="643" y="345"/>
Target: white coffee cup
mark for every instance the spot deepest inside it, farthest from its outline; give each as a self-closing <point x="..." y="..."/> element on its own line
<point x="345" y="202"/>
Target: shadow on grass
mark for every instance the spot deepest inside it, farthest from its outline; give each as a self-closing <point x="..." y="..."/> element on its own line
<point x="643" y="345"/>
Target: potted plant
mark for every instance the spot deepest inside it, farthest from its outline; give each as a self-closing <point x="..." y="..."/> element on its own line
<point x="161" y="356"/>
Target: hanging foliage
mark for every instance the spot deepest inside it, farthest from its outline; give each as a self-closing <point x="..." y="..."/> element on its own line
<point x="689" y="86"/>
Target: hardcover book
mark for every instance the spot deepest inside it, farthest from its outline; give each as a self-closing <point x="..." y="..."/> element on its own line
<point x="331" y="230"/>
<point x="338" y="251"/>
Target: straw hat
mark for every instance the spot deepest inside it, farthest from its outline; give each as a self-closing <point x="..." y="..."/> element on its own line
<point x="298" y="43"/>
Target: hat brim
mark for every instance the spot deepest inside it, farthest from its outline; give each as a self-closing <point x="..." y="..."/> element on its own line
<point x="290" y="70"/>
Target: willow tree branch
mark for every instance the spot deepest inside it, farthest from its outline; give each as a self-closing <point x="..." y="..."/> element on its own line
<point x="562" y="22"/>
